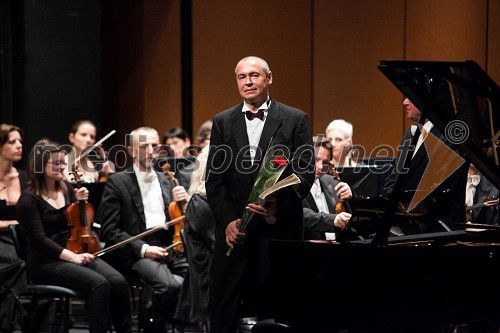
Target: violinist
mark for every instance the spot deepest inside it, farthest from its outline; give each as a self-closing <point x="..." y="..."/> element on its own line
<point x="320" y="217"/>
<point x="92" y="167"/>
<point x="481" y="198"/>
<point x="132" y="202"/>
<point x="42" y="215"/>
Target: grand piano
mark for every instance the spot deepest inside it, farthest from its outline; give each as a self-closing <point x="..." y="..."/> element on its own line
<point x="411" y="282"/>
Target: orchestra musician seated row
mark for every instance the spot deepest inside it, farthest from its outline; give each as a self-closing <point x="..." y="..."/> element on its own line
<point x="132" y="201"/>
<point x="138" y="199"/>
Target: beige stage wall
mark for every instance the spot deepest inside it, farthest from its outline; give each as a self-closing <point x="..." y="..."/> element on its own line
<point x="323" y="54"/>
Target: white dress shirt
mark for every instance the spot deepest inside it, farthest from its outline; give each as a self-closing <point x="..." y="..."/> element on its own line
<point x="319" y="197"/>
<point x="255" y="127"/>
<point x="424" y="132"/>
<point x="152" y="200"/>
<point x="472" y="182"/>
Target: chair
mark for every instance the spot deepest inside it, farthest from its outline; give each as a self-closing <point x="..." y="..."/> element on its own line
<point x="137" y="289"/>
<point x="42" y="291"/>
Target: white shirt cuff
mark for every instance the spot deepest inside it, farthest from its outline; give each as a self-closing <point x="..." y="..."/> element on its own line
<point x="330" y="236"/>
<point x="143" y="249"/>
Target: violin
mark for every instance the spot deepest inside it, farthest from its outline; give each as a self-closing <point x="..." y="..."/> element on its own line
<point x="342" y="205"/>
<point x="80" y="216"/>
<point x="175" y="209"/>
<point x="469" y="209"/>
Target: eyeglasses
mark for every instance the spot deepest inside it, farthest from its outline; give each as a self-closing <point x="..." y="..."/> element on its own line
<point x="57" y="163"/>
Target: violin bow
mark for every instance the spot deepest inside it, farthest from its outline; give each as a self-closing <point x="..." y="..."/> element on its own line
<point x="138" y="236"/>
<point x="88" y="150"/>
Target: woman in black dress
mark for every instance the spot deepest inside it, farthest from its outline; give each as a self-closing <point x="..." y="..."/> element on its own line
<point x="12" y="183"/>
<point x="42" y="215"/>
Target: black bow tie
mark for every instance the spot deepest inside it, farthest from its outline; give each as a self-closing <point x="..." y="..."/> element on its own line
<point x="251" y="115"/>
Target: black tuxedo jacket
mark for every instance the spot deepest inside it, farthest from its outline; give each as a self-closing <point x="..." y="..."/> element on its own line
<point x="121" y="214"/>
<point x="446" y="202"/>
<point x="315" y="222"/>
<point x="230" y="174"/>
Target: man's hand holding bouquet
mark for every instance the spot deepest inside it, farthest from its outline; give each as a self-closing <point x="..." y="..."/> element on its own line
<point x="260" y="201"/>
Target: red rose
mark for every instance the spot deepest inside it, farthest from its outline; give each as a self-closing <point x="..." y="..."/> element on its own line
<point x="278" y="161"/>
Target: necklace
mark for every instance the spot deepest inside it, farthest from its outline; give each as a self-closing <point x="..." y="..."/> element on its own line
<point x="48" y="197"/>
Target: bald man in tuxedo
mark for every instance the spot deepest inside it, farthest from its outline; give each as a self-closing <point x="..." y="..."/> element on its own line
<point x="239" y="139"/>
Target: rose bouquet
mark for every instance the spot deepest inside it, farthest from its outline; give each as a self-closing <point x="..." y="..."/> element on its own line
<point x="274" y="163"/>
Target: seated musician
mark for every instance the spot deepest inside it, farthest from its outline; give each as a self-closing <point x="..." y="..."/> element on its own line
<point x="340" y="133"/>
<point x="41" y="213"/>
<point x="132" y="202"/>
<point x="12" y="184"/>
<point x="203" y="137"/>
<point x="199" y="238"/>
<point x="481" y="198"/>
<point x="91" y="168"/>
<point x="320" y="216"/>
<point x="178" y="139"/>
<point x="445" y="203"/>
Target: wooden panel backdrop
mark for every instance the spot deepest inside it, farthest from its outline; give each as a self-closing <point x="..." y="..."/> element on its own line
<point x="141" y="76"/>
<point x="323" y="53"/>
<point x="446" y="30"/>
<point x="226" y="31"/>
<point x="350" y="38"/>
<point x="493" y="62"/>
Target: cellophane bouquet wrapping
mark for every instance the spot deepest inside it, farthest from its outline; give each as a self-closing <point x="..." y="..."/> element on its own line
<point x="274" y="163"/>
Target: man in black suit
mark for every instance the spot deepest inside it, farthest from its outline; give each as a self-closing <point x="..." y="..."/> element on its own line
<point x="132" y="202"/>
<point x="446" y="201"/>
<point x="239" y="139"/>
<point x="320" y="217"/>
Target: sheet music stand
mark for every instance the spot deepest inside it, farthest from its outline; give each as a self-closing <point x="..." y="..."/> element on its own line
<point x="369" y="212"/>
<point x="366" y="180"/>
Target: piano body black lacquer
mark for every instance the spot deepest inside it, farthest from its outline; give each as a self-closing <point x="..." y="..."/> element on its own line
<point x="413" y="282"/>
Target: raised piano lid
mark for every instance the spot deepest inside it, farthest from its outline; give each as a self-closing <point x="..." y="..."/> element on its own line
<point x="447" y="92"/>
